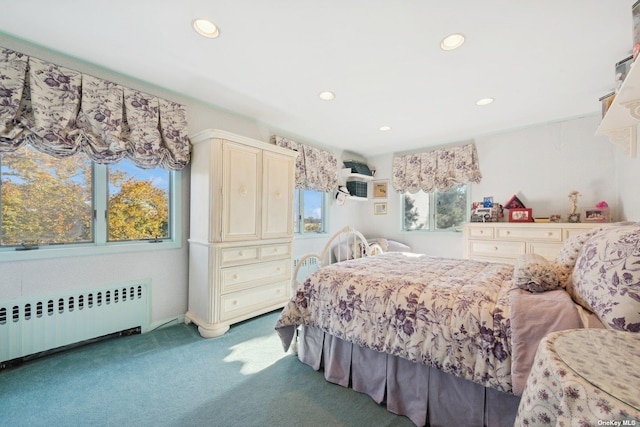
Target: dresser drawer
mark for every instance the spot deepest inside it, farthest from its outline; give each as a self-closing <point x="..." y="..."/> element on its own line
<point x="243" y="302"/>
<point x="275" y="251"/>
<point x="529" y="233"/>
<point x="547" y="250"/>
<point x="570" y="232"/>
<point x="479" y="248"/>
<point x="481" y="232"/>
<point x="242" y="277"/>
<point x="234" y="256"/>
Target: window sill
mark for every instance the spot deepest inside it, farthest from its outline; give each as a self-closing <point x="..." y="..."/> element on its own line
<point x="298" y="236"/>
<point x="45" y="252"/>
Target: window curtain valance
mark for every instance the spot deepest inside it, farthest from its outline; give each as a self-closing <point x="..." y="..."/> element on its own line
<point x="62" y="112"/>
<point x="316" y="169"/>
<point x="441" y="169"/>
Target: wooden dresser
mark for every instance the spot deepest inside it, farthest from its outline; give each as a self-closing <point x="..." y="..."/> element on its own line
<point x="505" y="241"/>
<point x="241" y="229"/>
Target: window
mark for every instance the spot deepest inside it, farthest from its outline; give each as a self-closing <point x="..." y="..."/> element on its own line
<point x="49" y="202"/>
<point x="138" y="203"/>
<point x="451" y="210"/>
<point x="310" y="211"/>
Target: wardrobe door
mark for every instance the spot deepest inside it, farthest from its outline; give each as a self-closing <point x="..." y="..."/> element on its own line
<point x="240" y="192"/>
<point x="277" y="195"/>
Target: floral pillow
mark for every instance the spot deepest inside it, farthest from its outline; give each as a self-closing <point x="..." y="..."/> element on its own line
<point x="534" y="273"/>
<point x="606" y="279"/>
<point x="566" y="258"/>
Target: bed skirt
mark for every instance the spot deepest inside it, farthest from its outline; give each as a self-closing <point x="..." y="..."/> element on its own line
<point x="425" y="395"/>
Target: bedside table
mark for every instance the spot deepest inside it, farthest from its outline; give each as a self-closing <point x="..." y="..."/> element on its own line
<point x="583" y="377"/>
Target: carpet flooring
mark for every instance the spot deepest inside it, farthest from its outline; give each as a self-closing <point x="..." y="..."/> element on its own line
<point x="173" y="377"/>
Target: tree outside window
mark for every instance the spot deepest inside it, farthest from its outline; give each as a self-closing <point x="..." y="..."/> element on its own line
<point x="450" y="210"/>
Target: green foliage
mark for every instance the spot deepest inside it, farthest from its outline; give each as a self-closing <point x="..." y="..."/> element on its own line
<point x="411" y="214"/>
<point x="451" y="207"/>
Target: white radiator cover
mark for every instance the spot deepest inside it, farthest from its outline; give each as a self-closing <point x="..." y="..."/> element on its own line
<point x="36" y="324"/>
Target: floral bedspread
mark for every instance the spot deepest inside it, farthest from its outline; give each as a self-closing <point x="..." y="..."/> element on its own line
<point x="450" y="314"/>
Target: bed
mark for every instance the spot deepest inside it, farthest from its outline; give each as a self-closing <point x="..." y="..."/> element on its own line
<point x="446" y="341"/>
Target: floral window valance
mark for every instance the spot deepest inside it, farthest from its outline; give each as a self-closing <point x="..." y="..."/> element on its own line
<point x="441" y="169"/>
<point x="62" y="112"/>
<point x="316" y="169"/>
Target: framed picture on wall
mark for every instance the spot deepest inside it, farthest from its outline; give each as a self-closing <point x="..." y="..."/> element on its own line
<point x="520" y="215"/>
<point x="380" y="208"/>
<point x="380" y="189"/>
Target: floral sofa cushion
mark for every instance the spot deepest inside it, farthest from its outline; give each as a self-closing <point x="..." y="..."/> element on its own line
<point x="606" y="278"/>
<point x="534" y="273"/>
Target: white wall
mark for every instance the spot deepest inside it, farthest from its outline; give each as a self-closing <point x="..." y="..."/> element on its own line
<point x="628" y="178"/>
<point x="540" y="164"/>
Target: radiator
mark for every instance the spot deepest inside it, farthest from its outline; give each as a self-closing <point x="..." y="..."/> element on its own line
<point x="33" y="325"/>
<point x="307" y="267"/>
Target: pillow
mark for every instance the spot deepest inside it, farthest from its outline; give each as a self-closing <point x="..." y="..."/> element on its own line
<point x="534" y="273"/>
<point x="393" y="246"/>
<point x="567" y="256"/>
<point x="606" y="279"/>
<point x="374" y="249"/>
<point x="390" y="245"/>
<point x="343" y="252"/>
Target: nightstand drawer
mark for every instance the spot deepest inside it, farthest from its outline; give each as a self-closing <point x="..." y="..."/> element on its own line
<point x="242" y="277"/>
<point x="478" y="248"/>
<point x="529" y="233"/>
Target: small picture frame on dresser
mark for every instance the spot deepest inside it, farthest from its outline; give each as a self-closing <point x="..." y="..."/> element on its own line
<point x="520" y="215"/>
<point x="595" y="214"/>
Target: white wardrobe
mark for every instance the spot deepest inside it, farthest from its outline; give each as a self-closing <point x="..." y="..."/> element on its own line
<point x="240" y="245"/>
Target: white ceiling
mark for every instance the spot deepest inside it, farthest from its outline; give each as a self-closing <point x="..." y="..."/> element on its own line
<point x="542" y="61"/>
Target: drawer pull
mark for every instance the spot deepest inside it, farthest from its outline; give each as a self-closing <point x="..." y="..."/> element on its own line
<point x="495" y="248"/>
<point x="275" y="250"/>
<point x="278" y="269"/>
<point x="549" y="233"/>
<point x="507" y="232"/>
<point x="243" y="190"/>
<point x="481" y="231"/>
<point x="240" y="253"/>
<point x="234" y="302"/>
<point x="234" y="277"/>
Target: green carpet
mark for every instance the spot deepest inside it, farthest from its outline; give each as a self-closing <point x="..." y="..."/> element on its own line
<point x="173" y="377"/>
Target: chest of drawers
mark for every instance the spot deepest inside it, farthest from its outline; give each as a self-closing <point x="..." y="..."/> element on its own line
<point x="504" y="242"/>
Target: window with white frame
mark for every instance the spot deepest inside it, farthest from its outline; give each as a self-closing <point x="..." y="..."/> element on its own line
<point x="435" y="211"/>
<point x="310" y="211"/>
<point x="49" y="202"/>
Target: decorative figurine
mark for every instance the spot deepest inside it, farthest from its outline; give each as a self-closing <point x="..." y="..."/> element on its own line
<point x="573" y="198"/>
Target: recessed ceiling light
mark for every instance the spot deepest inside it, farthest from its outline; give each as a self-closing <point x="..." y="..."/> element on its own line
<point x="206" y="28"/>
<point x="327" y="95"/>
<point x="452" y="41"/>
<point x="485" y="101"/>
<point x="385" y="128"/>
